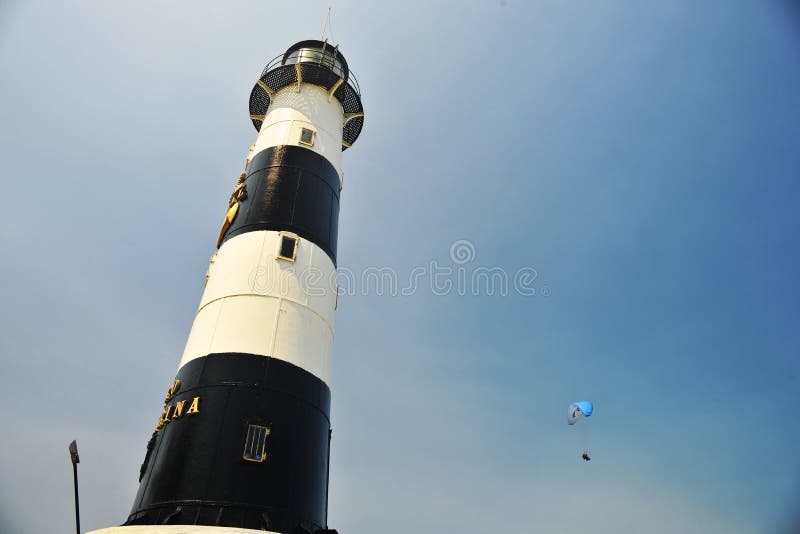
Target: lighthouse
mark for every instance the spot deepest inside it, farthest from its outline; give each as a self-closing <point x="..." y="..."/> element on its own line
<point x="243" y="440"/>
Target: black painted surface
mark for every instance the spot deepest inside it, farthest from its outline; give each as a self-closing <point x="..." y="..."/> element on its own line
<point x="320" y="45"/>
<point x="194" y="473"/>
<point x="294" y="189"/>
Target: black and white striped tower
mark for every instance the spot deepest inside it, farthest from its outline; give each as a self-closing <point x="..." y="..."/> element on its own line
<point x="244" y="438"/>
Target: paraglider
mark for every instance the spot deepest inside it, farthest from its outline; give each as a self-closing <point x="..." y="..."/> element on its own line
<point x="577" y="411"/>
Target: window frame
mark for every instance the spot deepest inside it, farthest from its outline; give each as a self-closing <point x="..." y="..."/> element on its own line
<point x="280" y="255"/>
<point x="257" y="454"/>
<point x="303" y="131"/>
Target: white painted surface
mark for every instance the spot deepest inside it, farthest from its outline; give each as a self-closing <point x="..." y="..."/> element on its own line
<point x="246" y="265"/>
<point x="289" y="111"/>
<point x="256" y="304"/>
<point x="177" y="529"/>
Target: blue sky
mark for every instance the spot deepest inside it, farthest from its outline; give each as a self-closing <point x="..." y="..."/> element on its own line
<point x="642" y="158"/>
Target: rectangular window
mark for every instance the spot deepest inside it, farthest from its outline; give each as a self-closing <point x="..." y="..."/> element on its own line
<point x="255" y="443"/>
<point x="288" y="248"/>
<point x="307" y="137"/>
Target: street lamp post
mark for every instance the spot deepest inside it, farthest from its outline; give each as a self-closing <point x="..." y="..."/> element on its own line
<point x="73" y="454"/>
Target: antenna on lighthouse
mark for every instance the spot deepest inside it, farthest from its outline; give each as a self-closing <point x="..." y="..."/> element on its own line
<point x="325" y="26"/>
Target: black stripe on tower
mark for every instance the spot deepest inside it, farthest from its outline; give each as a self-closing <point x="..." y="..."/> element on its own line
<point x="294" y="189"/>
<point x="199" y="468"/>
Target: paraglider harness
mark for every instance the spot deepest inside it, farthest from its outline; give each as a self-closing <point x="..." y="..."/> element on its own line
<point x="578" y="410"/>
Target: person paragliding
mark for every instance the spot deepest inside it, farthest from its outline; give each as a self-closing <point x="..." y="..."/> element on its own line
<point x="578" y="411"/>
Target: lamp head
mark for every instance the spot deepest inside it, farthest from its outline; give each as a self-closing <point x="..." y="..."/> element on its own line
<point x="73" y="452"/>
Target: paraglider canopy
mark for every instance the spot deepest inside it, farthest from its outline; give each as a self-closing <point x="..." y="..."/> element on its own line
<point x="579" y="409"/>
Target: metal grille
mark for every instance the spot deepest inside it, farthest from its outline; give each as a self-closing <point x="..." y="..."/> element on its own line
<point x="318" y="75"/>
<point x="280" y="77"/>
<point x="255" y="443"/>
<point x="259" y="102"/>
<point x="351" y="103"/>
<point x="350" y="99"/>
<point x="352" y="130"/>
<point x="274" y="79"/>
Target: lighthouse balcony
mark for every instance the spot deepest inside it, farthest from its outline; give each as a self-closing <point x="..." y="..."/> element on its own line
<point x="317" y="63"/>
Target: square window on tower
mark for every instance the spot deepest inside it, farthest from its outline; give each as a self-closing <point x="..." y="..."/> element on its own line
<point x="288" y="247"/>
<point x="307" y="137"/>
<point x="255" y="443"/>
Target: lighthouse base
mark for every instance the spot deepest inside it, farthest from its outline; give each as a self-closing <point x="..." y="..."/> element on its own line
<point x="176" y="529"/>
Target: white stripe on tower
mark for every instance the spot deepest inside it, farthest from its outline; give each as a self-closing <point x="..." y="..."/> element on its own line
<point x="255" y="303"/>
<point x="311" y="107"/>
